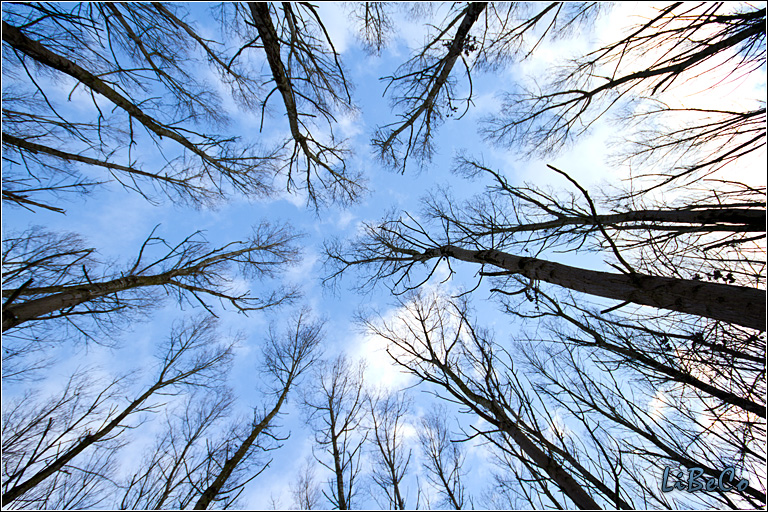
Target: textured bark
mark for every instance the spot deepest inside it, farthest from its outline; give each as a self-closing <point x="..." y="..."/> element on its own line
<point x="740" y="220"/>
<point x="733" y="304"/>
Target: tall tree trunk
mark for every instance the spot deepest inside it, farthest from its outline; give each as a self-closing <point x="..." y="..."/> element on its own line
<point x="88" y="440"/>
<point x="492" y="412"/>
<point x="733" y="304"/>
<point x="213" y="490"/>
<point x="739" y="220"/>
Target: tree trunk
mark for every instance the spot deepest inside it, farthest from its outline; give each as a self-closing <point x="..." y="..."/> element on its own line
<point x="491" y="412"/>
<point x="738" y="220"/>
<point x="18" y="490"/>
<point x="732" y="304"/>
<point x="343" y="505"/>
<point x="16" y="314"/>
<point x="215" y="488"/>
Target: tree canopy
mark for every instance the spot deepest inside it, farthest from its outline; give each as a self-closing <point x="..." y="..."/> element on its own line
<point x="384" y="255"/>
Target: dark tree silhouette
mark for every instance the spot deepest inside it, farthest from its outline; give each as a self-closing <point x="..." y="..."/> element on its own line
<point x="47" y="276"/>
<point x="46" y="441"/>
<point x="287" y="354"/>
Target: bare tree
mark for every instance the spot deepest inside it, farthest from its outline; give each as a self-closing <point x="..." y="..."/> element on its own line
<point x="47" y="440"/>
<point x="394" y="247"/>
<point x="444" y="459"/>
<point x="433" y="339"/>
<point x="310" y="79"/>
<point x="375" y="23"/>
<point x="286" y="356"/>
<point x="391" y="457"/>
<point x="681" y="42"/>
<point x="336" y="409"/>
<point x="475" y="36"/>
<point x="173" y="468"/>
<point x="304" y="489"/>
<point x="120" y="53"/>
<point x="64" y="286"/>
<point x="127" y="53"/>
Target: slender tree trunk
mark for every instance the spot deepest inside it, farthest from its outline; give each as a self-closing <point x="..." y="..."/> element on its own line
<point x="733" y="304"/>
<point x="670" y="451"/>
<point x="62" y="297"/>
<point x="71" y="157"/>
<point x="494" y="415"/>
<point x="88" y="440"/>
<point x="399" y="501"/>
<point x="683" y="377"/>
<point x="213" y="490"/>
<point x="343" y="505"/>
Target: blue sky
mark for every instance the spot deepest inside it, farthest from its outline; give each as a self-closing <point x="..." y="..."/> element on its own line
<point x="116" y="221"/>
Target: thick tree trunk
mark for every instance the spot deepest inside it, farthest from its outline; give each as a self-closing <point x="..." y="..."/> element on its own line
<point x="739" y="220"/>
<point x="733" y="304"/>
<point x="16" y="314"/>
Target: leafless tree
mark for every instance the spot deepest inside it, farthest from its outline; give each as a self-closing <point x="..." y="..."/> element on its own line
<point x="42" y="441"/>
<point x="48" y="276"/>
<point x="121" y="53"/>
<point x="391" y="456"/>
<point x="172" y="469"/>
<point x="308" y="74"/>
<point x="433" y="339"/>
<point x="652" y="425"/>
<point x="392" y="248"/>
<point x="304" y="489"/>
<point x="477" y="36"/>
<point x="336" y="405"/>
<point x="681" y="42"/>
<point x="444" y="459"/>
<point x="287" y="355"/>
<point x="375" y="23"/>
